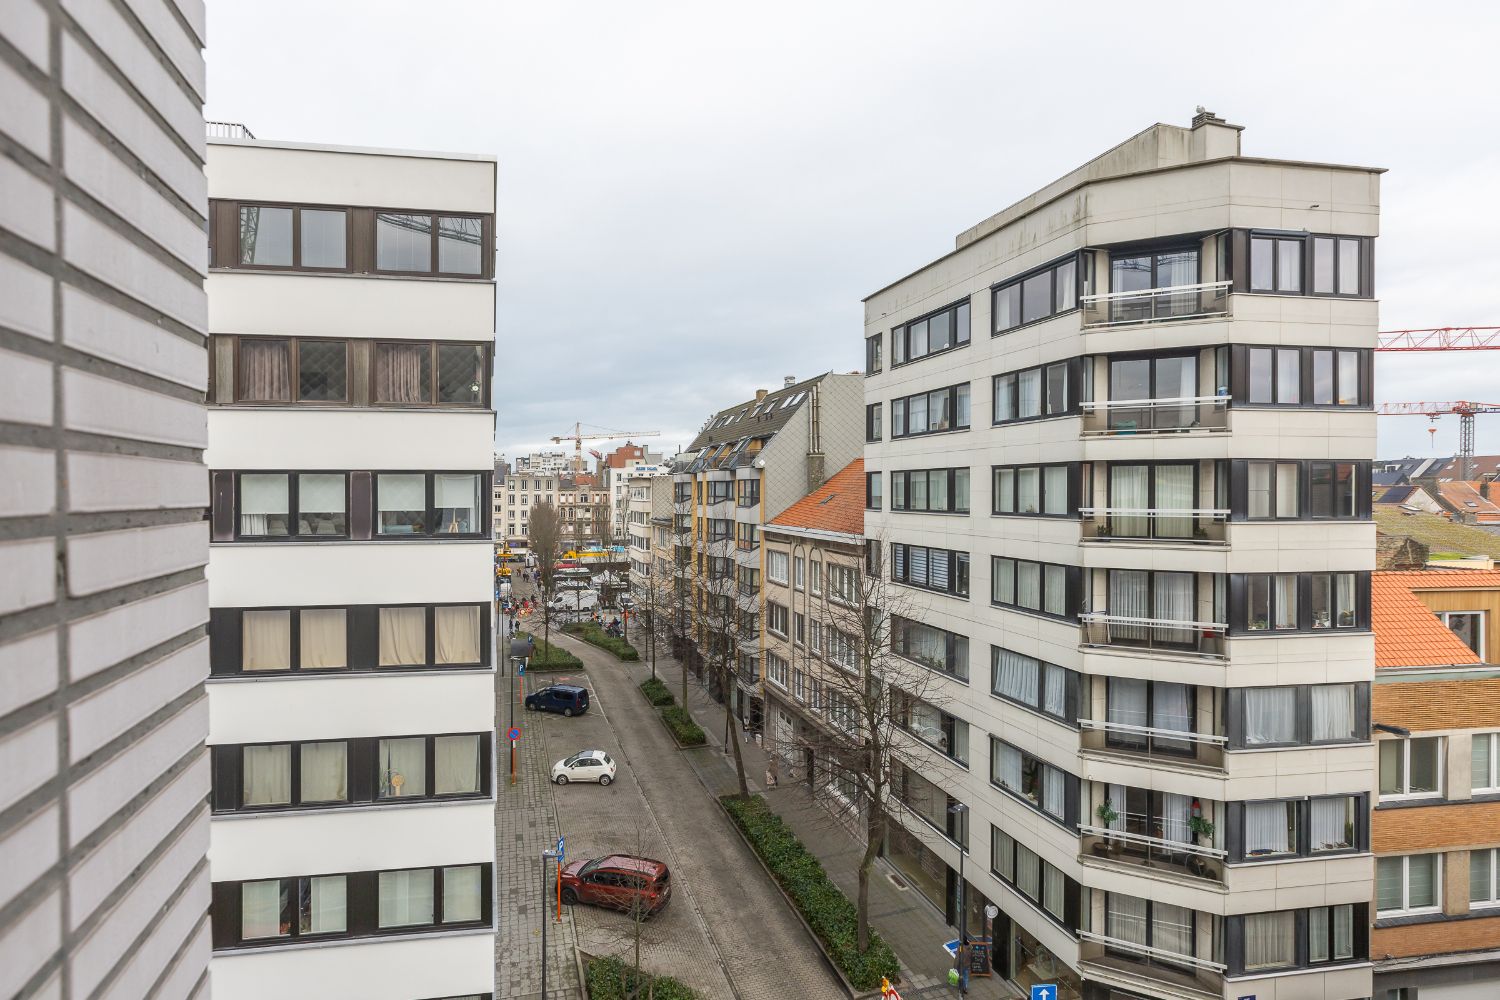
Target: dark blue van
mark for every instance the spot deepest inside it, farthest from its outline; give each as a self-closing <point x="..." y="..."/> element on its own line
<point x="565" y="699"/>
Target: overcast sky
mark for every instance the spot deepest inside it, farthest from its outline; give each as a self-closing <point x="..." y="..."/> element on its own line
<point x="695" y="196"/>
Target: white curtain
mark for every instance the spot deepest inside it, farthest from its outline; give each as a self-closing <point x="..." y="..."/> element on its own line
<point x="1055" y="489"/>
<point x="1270" y="940"/>
<point x="324" y="772"/>
<point x="1005" y="398"/>
<point x="1128" y="491"/>
<point x="260" y="910"/>
<point x="1284" y="600"/>
<point x="1028" y="874"/>
<point x="403" y="637"/>
<point x="456" y="765"/>
<point x="329" y="906"/>
<point x="1054" y="697"/>
<point x="1344" y="591"/>
<point x="456" y="499"/>
<point x="461" y="894"/>
<point x="1030" y="393"/>
<point x="1053" y="891"/>
<point x="400" y="494"/>
<point x="1016" y="676"/>
<point x="402" y="765"/>
<point x="1175" y="811"/>
<point x="1010" y="768"/>
<point x="1028" y="489"/>
<point x="1171" y="709"/>
<point x="1333" y="712"/>
<point x="1172" y="928"/>
<point x="1117" y="803"/>
<point x="1054" y="590"/>
<point x="1029" y="585"/>
<point x="324" y="638"/>
<point x="1174" y="491"/>
<point x="1002" y="855"/>
<point x="1174" y="602"/>
<point x="1004" y="581"/>
<point x="1332" y="822"/>
<point x="456" y="634"/>
<point x="1053" y="792"/>
<point x="1127" y="702"/>
<point x="320" y="503"/>
<point x="1266" y="829"/>
<point x="1129" y="598"/>
<point x="264" y="505"/>
<point x="266" y="640"/>
<point x="267" y="779"/>
<point x="1270" y="715"/>
<point x="406" y="898"/>
<point x="1125" y="918"/>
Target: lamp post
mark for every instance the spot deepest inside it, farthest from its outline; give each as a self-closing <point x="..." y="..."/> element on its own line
<point x="546" y="857"/>
<point x="960" y="810"/>
<point x="520" y="651"/>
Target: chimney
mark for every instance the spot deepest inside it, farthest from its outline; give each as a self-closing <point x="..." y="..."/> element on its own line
<point x="790" y="381"/>
<point x="760" y="394"/>
<point x="1212" y="137"/>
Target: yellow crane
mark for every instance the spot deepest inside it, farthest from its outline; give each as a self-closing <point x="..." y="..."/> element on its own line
<point x="579" y="436"/>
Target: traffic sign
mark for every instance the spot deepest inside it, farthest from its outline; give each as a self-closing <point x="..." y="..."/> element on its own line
<point x="515" y="733"/>
<point x="951" y="947"/>
<point x="559" y="848"/>
<point x="521" y="670"/>
<point x="1044" y="991"/>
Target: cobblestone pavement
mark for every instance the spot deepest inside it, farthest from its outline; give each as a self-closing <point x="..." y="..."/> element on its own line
<point x="727" y="932"/>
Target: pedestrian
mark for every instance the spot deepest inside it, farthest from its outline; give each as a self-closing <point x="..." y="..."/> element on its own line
<point x="961" y="963"/>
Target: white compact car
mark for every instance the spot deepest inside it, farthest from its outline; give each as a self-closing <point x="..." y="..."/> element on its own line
<point x="585" y="765"/>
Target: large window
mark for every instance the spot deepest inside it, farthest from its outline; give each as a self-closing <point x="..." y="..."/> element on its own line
<point x="1272" y="490"/>
<point x="1301" y="376"/>
<point x="284" y="505"/>
<point x="291" y="370"/>
<point x="1034" y="490"/>
<point x="1407" y="884"/>
<point x="935" y="648"/>
<point x="1300" y="602"/>
<point x="1036" y="296"/>
<point x="1264" y="943"/>
<point x="429" y="504"/>
<point x="261" y="640"/>
<point x="932" y="334"/>
<point x="1032" y="586"/>
<point x="1301" y="714"/>
<point x="1040" y="686"/>
<point x="408" y="243"/>
<point x="425" y="373"/>
<point x="1047" y="788"/>
<point x="309" y="239"/>
<point x="1044" y="886"/>
<point x="938" y="491"/>
<point x="928" y="412"/>
<point x="1411" y="768"/>
<point x="1034" y="393"/>
<point x="942" y="570"/>
<point x="1163" y="927"/>
<point x="1308" y="264"/>
<point x="1143" y="715"/>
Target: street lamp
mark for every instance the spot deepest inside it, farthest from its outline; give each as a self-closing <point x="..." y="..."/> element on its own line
<point x="960" y="810"/>
<point x="520" y="651"/>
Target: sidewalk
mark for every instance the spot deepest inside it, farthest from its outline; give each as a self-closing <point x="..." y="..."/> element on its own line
<point x="911" y="925"/>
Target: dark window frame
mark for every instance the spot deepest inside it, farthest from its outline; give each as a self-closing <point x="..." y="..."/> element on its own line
<point x="1072" y="393"/>
<point x="873" y="421"/>
<point x="293" y="507"/>
<point x="294" y="393"/>
<point x="486" y="240"/>
<point x="1234" y="829"/>
<point x="1072" y="588"/>
<point x="1074" y="473"/>
<point x="1080" y="261"/>
<point x="1239" y="605"/>
<point x="1234" y="941"/>
<point x="433" y="355"/>
<point x="874" y="499"/>
<point x="1070" y="818"/>
<point x="482" y="514"/>
<point x="901" y="332"/>
<point x="1072" y="687"/>
<point x="1239" y="377"/>
<point x="952" y="507"/>
<point x="1244" y="241"/>
<point x="296" y="208"/>
<point x="1234" y="717"/>
<point x="951" y="402"/>
<point x="954" y="558"/>
<point x="875" y="353"/>
<point x="951" y="643"/>
<point x="1072" y="890"/>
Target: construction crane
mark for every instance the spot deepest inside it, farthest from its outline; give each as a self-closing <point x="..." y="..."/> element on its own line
<point x="1463" y="409"/>
<point x="1444" y="338"/>
<point x="579" y="436"/>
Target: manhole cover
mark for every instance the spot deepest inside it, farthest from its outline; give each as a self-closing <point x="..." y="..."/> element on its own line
<point x="895" y="881"/>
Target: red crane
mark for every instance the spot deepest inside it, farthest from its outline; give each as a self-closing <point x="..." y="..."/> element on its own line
<point x="1444" y="338"/>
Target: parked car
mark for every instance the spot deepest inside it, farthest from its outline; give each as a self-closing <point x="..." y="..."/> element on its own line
<point x="619" y="881"/>
<point x="565" y="699"/>
<point x="585" y="765"/>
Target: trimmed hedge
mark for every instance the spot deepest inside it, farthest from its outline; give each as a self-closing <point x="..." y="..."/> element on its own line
<point x="827" y="911"/>
<point x="613" y="979"/>
<point x="687" y="732"/>
<point x="596" y="636"/>
<point x="656" y="692"/>
<point x="548" y="657"/>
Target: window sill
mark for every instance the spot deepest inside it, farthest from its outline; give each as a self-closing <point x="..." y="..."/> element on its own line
<point x="938" y="513"/>
<point x="1073" y="517"/>
<point x="1038" y="418"/>
<point x="1417" y="802"/>
<point x="336" y="407"/>
<point x="1031" y="613"/>
<point x="350" y="807"/>
<point x="927" y="434"/>
<point x="1033" y="710"/>
<point x="1287" y="859"/>
<point x="1303" y="970"/>
<point x="928" y="590"/>
<point x="279" y="945"/>
<point x="1412" y="919"/>
<point x="1023" y="800"/>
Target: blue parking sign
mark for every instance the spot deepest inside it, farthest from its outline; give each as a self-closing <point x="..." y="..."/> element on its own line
<point x="1044" y="991"/>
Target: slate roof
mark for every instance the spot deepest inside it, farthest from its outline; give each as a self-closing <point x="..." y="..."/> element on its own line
<point x="1397" y="494"/>
<point x="759" y="419"/>
<point x="837" y="505"/>
<point x="1387" y="478"/>
<point x="1407" y="633"/>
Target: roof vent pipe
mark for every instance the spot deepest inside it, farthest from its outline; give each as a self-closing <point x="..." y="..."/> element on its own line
<point x="790" y="381"/>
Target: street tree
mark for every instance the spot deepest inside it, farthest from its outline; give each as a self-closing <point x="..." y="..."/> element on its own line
<point x="546" y="540"/>
<point x="653" y="605"/>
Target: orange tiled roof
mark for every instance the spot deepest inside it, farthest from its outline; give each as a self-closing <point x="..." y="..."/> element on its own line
<point x="1407" y="633"/>
<point x="837" y="505"/>
<point x="1466" y="499"/>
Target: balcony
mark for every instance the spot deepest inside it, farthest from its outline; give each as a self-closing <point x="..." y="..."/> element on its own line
<point x="1198" y="526"/>
<point x="1153" y="746"/>
<point x="1182" y="415"/>
<point x="1155" y="305"/>
<point x="1153" y="972"/>
<point x="1138" y="850"/>
<point x="1156" y="635"/>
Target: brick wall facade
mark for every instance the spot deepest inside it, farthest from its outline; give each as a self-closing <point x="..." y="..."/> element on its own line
<point x="1427" y="705"/>
<point x="1439" y="937"/>
<point x="1429" y="828"/>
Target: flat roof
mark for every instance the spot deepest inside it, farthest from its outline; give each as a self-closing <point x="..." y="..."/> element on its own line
<point x="317" y="147"/>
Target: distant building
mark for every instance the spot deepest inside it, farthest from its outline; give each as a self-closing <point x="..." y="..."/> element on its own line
<point x="615" y="469"/>
<point x="546" y="463"/>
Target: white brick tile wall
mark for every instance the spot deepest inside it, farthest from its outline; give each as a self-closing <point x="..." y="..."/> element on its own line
<point x="180" y="982"/>
<point x="171" y="936"/>
<point x="26" y="306"/>
<point x="91" y="246"/>
<point x="26" y="204"/>
<point x="27" y="398"/>
<point x="28" y="481"/>
<point x="28" y="758"/>
<point x="23" y="113"/>
<point x="30" y="578"/>
<point x="104" y="406"/>
<point x="25" y="26"/>
<point x="33" y="939"/>
<point x="102" y="330"/>
<point x="104" y="639"/>
<point x="28" y="669"/>
<point x="97" y="797"/>
<point x="180" y="47"/>
<point x="110" y="711"/>
<point x="29" y="850"/>
<point x="120" y="482"/>
<point x="108" y="559"/>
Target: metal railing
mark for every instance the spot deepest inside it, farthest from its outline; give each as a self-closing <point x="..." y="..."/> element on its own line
<point x="1143" y="851"/>
<point x="1146" y="951"/>
<point x="1169" y="745"/>
<point x="1156" y="305"/>
<point x="1157" y="634"/>
<point x="1156" y="416"/>
<point x="227" y="130"/>
<point x="1200" y="525"/>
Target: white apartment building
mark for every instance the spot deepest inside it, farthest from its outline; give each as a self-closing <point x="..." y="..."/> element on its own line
<point x="615" y="472"/>
<point x="545" y="463"/>
<point x="103" y="775"/>
<point x="1142" y="569"/>
<point x="515" y="496"/>
<point x="648" y="507"/>
<point x="351" y="310"/>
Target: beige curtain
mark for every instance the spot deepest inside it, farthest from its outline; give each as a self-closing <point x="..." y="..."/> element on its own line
<point x="324" y="638"/>
<point x="403" y="767"/>
<point x="265" y="371"/>
<point x="461" y="894"/>
<point x="266" y="642"/>
<point x="267" y="779"/>
<point x="401" y="373"/>
<point x="456" y="765"/>
<point x="324" y="772"/>
<point x="457" y="634"/>
<point x="403" y="637"/>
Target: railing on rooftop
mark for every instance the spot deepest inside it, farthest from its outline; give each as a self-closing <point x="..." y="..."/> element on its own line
<point x="1156" y="305"/>
<point x="227" y="130"/>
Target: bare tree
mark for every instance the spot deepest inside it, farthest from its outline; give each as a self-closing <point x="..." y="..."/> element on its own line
<point x="720" y="624"/>
<point x="653" y="607"/>
<point x="880" y="697"/>
<point x="546" y="538"/>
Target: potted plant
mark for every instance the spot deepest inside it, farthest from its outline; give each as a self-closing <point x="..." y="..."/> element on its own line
<point x="1107" y="816"/>
<point x="1202" y="829"/>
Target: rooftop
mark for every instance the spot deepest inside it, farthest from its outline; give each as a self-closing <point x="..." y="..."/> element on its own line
<point x="836" y="506"/>
<point x="1439" y="534"/>
<point x="1407" y="632"/>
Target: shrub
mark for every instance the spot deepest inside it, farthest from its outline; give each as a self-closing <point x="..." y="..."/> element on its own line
<point x="596" y="636"/>
<point x="613" y="979"/>
<point x="687" y="732"/>
<point x="548" y="657"/>
<point x="656" y="692"/>
<point x="827" y="910"/>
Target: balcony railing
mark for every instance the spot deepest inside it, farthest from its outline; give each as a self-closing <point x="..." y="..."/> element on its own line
<point x="1142" y="851"/>
<point x="1156" y="416"/>
<point x="1156" y="305"/>
<point x="1159" y="745"/>
<point x="1156" y="634"/>
<point x="1203" y="965"/>
<point x="1201" y="525"/>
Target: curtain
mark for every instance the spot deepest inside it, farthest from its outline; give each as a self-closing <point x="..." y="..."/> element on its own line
<point x="1053" y="893"/>
<point x="1332" y="823"/>
<point x="1028" y="489"/>
<point x="1005" y="398"/>
<point x="1030" y="393"/>
<point x="1174" y="602"/>
<point x="260" y="910"/>
<point x="1270" y="715"/>
<point x="1128" y="491"/>
<point x="1128" y="598"/>
<point x="456" y="634"/>
<point x="937" y="491"/>
<point x="328" y="906"/>
<point x="917" y="568"/>
<point x="1117" y="802"/>
<point x="1054" y="697"/>
<point x="320" y="503"/>
<point x="938" y="576"/>
<point x="1016" y="676"/>
<point x="1344" y="591"/>
<point x="1172" y="710"/>
<point x="266" y="640"/>
<point x="1127" y="702"/>
<point x="1172" y="928"/>
<point x="324" y="638"/>
<point x="403" y="637"/>
<point x="403" y="767"/>
<point x="265" y="371"/>
<point x="1053" y="792"/>
<point x="1055" y="489"/>
<point x="1054" y="590"/>
<point x="402" y="502"/>
<point x="264" y="505"/>
<point x="456" y="499"/>
<point x="1029" y="585"/>
<point x="1125" y="918"/>
<point x="1003" y="582"/>
<point x="1175" y="810"/>
<point x="1174" y="491"/>
<point x="1028" y="874"/>
<point x="1002" y="855"/>
<point x="461" y="894"/>
<point x="267" y="779"/>
<point x="324" y="772"/>
<point x="1270" y="940"/>
<point x="1333" y="712"/>
<point x="401" y="373"/>
<point x="406" y="898"/>
<point x="1010" y="768"/>
<point x="456" y="765"/>
<point x="1266" y="829"/>
<point x="1284" y="600"/>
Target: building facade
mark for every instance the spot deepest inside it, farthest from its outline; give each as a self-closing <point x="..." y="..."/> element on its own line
<point x="516" y="495"/>
<point x="352" y="697"/>
<point x="1436" y="823"/>
<point x="103" y="825"/>
<point x="615" y="470"/>
<point x="1152" y="618"/>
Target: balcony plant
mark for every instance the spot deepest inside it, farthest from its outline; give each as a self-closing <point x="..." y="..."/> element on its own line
<point x="1108" y="816"/>
<point x="1202" y="829"/>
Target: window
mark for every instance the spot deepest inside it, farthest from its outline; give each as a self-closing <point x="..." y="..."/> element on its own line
<point x="1270" y="829"/>
<point x="1484" y="762"/>
<point x="1336" y="265"/>
<point x="1301" y="602"/>
<point x="932" y="334"/>
<point x="1407" y="884"/>
<point x="1483" y="875"/>
<point x="1044" y="786"/>
<point x="1032" y="586"/>
<point x="313" y="239"/>
<point x="843" y="583"/>
<point x="1149" y="924"/>
<point x="776" y="670"/>
<point x="1033" y="393"/>
<point x="1468" y="626"/>
<point x="776" y="566"/>
<point x="1275" y="375"/>
<point x="799" y="566"/>
<point x="1332" y="489"/>
<point x="776" y="618"/>
<point x="942" y="491"/>
<point x="408" y="243"/>
<point x="1034" y="490"/>
<point x="815" y="575"/>
<point x="1330" y="933"/>
<point x="942" y="570"/>
<point x="414" y="503"/>
<point x="1273" y="601"/>
<point x="1270" y="940"/>
<point x="1333" y="823"/>
<point x="1290" y="715"/>
<point x="1276" y="264"/>
<point x="747" y="493"/>
<point x="292" y="908"/>
<point x="427" y="374"/>
<point x="928" y="412"/>
<point x="720" y="491"/>
<point x="1272" y="490"/>
<point x="1033" y="297"/>
<point x="935" y="648"/>
<point x="264" y="371"/>
<point x="1044" y="687"/>
<point x="872" y="490"/>
<point x="1411" y="768"/>
<point x="256" y="640"/>
<point x="872" y="422"/>
<point x="1336" y="378"/>
<point x="281" y="505"/>
<point x="873" y="353"/>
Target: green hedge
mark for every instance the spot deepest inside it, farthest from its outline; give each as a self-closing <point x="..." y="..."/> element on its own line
<point x="549" y="657"/>
<point x="613" y="979"/>
<point x="596" y="636"/>
<point x="688" y="732"/>
<point x="827" y="910"/>
<point x="656" y="692"/>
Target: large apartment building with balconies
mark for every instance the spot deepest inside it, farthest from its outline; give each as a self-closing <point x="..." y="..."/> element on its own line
<point x="351" y="703"/>
<point x="1159" y="650"/>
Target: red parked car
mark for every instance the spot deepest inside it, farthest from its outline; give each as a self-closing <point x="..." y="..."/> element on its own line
<point x="619" y="881"/>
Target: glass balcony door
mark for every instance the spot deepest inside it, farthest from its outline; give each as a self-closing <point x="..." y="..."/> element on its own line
<point x="1147" y="705"/>
<point x="1142" y="497"/>
<point x="1143" y="381"/>
<point x="1144" y="272"/>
